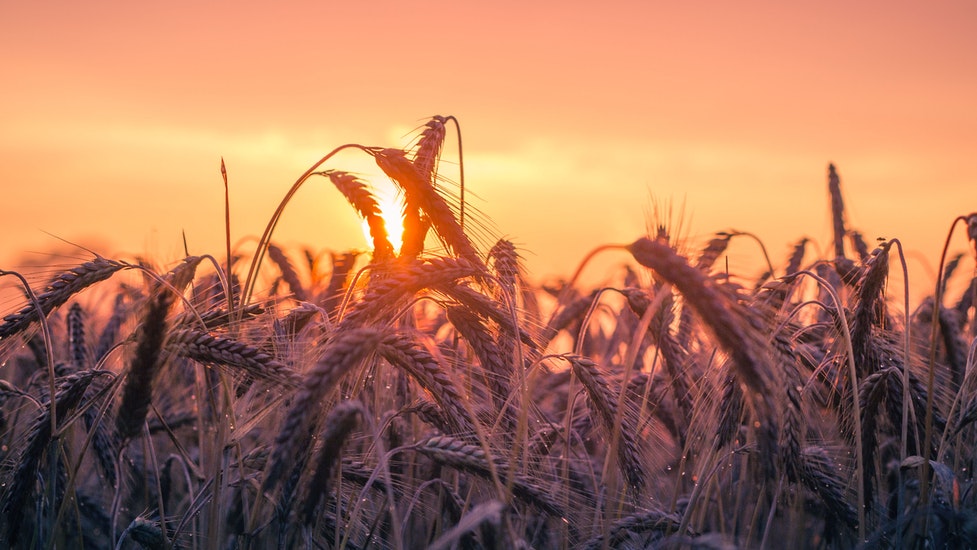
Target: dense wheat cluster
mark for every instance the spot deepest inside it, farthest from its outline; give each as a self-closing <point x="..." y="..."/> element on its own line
<point x="432" y="396"/>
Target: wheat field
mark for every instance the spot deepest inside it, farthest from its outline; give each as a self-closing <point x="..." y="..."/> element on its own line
<point x="429" y="395"/>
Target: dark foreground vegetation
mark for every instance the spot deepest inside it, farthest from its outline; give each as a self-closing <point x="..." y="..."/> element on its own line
<point x="431" y="396"/>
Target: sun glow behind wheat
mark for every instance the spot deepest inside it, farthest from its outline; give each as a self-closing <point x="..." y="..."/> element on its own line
<point x="391" y="205"/>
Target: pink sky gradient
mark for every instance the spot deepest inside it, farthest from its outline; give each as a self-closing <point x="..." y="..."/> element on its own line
<point x="115" y="116"/>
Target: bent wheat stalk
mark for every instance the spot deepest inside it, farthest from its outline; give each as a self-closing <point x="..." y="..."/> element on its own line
<point x="265" y="239"/>
<point x="971" y="222"/>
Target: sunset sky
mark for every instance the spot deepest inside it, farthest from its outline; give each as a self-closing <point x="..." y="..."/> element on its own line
<point x="577" y="117"/>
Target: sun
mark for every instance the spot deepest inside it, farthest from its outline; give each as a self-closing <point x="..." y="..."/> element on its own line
<point x="392" y="211"/>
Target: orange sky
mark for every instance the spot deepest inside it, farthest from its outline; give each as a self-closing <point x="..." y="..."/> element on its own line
<point x="115" y="116"/>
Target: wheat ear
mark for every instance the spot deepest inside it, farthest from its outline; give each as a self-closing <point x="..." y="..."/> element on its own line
<point x="431" y="375"/>
<point x="497" y="370"/>
<point x="458" y="454"/>
<point x="356" y="192"/>
<point x="428" y="149"/>
<point x="110" y="332"/>
<point x="837" y="211"/>
<point x="824" y="479"/>
<point x="289" y="275"/>
<point x="714" y="248"/>
<point x="138" y="389"/>
<point x="340" y="422"/>
<point x="343" y="352"/>
<point x="651" y="521"/>
<point x="869" y="309"/>
<point x="732" y="328"/>
<point x="78" y="351"/>
<point x="606" y="404"/>
<point x="391" y="284"/>
<point x="14" y="503"/>
<point x="425" y="158"/>
<point x="63" y="287"/>
<point x="206" y="348"/>
<point x="395" y="164"/>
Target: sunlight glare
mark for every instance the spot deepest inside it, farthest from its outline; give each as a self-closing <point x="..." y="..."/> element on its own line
<point x="392" y="211"/>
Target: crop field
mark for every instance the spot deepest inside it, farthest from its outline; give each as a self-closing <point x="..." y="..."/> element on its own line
<point x="427" y="394"/>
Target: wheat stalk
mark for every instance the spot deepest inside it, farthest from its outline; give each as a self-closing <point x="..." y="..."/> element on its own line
<point x="606" y="405"/>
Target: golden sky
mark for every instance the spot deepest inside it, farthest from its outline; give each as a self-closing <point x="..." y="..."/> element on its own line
<point x="576" y="117"/>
